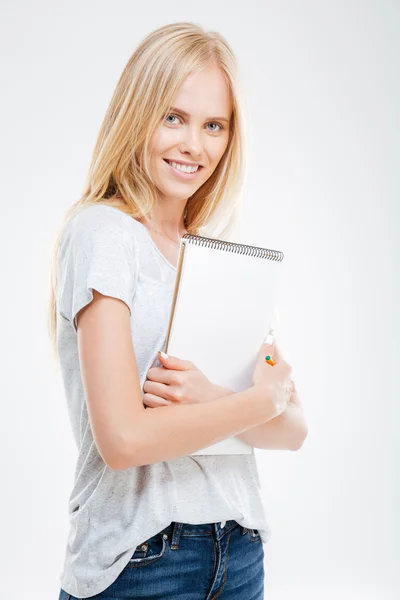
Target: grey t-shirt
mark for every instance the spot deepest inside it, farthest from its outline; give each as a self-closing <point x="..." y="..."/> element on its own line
<point x="111" y="512"/>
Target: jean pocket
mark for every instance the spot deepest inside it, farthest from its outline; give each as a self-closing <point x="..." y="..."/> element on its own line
<point x="149" y="551"/>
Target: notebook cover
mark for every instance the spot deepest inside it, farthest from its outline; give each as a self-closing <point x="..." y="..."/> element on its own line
<point x="222" y="310"/>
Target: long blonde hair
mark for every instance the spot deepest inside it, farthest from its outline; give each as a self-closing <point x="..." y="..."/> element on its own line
<point x="118" y="173"/>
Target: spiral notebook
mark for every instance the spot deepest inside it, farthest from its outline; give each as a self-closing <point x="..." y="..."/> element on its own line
<point x="221" y="312"/>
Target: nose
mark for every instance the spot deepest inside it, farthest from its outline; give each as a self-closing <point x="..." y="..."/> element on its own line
<point x="192" y="143"/>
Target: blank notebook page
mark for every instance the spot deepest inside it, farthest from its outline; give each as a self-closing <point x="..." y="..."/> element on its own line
<point x="224" y="309"/>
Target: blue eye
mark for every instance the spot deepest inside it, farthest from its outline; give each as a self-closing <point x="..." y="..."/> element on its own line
<point x="170" y="115"/>
<point x="221" y="127"/>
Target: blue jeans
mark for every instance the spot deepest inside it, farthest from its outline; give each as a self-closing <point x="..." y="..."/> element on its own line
<point x="192" y="562"/>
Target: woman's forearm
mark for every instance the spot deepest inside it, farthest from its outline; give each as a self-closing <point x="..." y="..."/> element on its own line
<point x="167" y="433"/>
<point x="287" y="431"/>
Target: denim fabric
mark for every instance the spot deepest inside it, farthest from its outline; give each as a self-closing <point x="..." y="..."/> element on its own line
<point x="192" y="562"/>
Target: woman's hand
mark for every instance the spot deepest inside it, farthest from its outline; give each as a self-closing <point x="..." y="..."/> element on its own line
<point x="177" y="382"/>
<point x="275" y="379"/>
<point x="181" y="382"/>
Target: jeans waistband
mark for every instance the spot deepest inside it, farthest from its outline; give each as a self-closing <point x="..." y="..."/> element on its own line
<point x="175" y="529"/>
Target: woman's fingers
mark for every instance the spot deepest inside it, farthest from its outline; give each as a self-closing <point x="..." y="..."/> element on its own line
<point x="270" y="347"/>
<point x="167" y="392"/>
<point x="276" y="353"/>
<point x="294" y="398"/>
<point x="161" y="375"/>
<point x="153" y="401"/>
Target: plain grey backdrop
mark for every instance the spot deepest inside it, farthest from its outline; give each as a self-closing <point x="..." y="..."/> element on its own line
<point x="322" y="101"/>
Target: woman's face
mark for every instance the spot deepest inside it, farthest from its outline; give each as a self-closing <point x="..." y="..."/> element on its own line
<point x="195" y="131"/>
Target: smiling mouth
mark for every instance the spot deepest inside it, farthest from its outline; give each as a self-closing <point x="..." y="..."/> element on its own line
<point x="187" y="173"/>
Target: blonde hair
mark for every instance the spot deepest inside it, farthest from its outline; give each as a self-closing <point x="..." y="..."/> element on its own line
<point x="118" y="173"/>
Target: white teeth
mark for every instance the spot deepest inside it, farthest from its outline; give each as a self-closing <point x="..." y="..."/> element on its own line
<point x="184" y="168"/>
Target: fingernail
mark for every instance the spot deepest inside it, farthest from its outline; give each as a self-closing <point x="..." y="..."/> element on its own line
<point x="269" y="339"/>
<point x="163" y="354"/>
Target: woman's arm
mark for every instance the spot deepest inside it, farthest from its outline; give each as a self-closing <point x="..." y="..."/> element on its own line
<point x="167" y="434"/>
<point x="126" y="434"/>
<point x="287" y="431"/>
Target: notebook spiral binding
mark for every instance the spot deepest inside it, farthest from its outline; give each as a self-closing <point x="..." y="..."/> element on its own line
<point x="199" y="240"/>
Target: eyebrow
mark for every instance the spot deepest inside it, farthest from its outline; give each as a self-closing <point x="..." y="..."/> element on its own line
<point x="186" y="114"/>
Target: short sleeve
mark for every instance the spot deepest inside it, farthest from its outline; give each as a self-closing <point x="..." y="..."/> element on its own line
<point x="97" y="251"/>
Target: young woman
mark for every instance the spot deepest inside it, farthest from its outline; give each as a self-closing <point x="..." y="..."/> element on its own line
<point x="146" y="519"/>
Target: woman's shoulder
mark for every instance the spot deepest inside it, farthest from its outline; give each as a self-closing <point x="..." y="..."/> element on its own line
<point x="100" y="213"/>
<point x="98" y="220"/>
<point x="97" y="251"/>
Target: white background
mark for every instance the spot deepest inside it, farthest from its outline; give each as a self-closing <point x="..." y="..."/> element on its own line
<point x="322" y="85"/>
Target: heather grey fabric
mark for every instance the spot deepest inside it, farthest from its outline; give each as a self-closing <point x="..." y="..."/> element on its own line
<point x="112" y="512"/>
